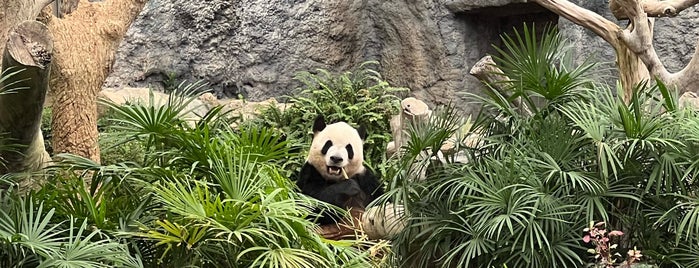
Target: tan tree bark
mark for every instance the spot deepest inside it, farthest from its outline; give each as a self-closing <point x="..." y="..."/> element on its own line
<point x="86" y="41"/>
<point x="13" y="12"/>
<point x="637" y="59"/>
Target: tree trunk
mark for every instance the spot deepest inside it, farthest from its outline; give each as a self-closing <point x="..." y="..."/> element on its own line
<point x="28" y="50"/>
<point x="637" y="59"/>
<point x="631" y="70"/>
<point x="13" y="12"/>
<point x="86" y="42"/>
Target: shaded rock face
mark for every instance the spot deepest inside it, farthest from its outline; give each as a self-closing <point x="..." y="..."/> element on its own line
<point x="675" y="39"/>
<point x="254" y="48"/>
<point x="251" y="48"/>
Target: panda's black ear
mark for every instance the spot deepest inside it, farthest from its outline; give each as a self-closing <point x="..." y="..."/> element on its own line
<point x="319" y="124"/>
<point x="362" y="132"/>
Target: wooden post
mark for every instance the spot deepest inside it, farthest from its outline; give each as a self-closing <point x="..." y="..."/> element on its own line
<point x="486" y="71"/>
<point x="28" y="51"/>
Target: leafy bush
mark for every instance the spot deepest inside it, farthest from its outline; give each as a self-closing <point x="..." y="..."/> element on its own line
<point x="538" y="176"/>
<point x="46" y="129"/>
<point x="31" y="237"/>
<point x="113" y="146"/>
<point x="203" y="195"/>
<point x="358" y="97"/>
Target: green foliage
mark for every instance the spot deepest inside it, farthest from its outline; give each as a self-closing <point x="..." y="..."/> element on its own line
<point x="535" y="179"/>
<point x="30" y="237"/>
<point x="10" y="86"/>
<point x="201" y="195"/>
<point x="46" y="129"/>
<point x="170" y="82"/>
<point x="358" y="97"/>
<point x="540" y="70"/>
<point x="114" y="148"/>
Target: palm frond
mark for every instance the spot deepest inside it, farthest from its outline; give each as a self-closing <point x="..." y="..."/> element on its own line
<point x="8" y="84"/>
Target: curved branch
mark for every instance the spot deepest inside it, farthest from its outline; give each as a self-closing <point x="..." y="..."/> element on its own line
<point x="653" y="8"/>
<point x="583" y="17"/>
<point x="638" y="37"/>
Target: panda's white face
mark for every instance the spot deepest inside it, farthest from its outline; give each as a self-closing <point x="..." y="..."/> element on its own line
<point x="336" y="147"/>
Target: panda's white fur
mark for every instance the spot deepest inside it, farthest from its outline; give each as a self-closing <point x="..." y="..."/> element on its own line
<point x="330" y="162"/>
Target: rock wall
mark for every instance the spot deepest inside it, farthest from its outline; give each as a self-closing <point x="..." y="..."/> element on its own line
<point x="254" y="48"/>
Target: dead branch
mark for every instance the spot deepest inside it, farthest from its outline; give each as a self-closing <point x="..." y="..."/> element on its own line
<point x="636" y="57"/>
<point x="583" y="17"/>
<point x="638" y="37"/>
<point x="487" y="71"/>
<point x="653" y="8"/>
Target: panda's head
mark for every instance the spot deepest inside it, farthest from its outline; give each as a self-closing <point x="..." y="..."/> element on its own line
<point x="336" y="147"/>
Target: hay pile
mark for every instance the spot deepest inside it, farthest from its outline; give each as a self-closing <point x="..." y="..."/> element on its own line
<point x="85" y="42"/>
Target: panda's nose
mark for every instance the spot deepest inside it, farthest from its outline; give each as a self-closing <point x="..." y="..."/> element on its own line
<point x="336" y="159"/>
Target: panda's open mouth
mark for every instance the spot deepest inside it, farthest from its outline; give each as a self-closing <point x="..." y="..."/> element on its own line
<point x="334" y="170"/>
<point x="338" y="171"/>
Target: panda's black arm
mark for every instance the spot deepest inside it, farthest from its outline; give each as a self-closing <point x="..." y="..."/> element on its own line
<point x="305" y="176"/>
<point x="370" y="184"/>
<point x="311" y="183"/>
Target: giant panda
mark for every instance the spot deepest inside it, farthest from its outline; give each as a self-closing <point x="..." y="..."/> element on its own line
<point x="334" y="171"/>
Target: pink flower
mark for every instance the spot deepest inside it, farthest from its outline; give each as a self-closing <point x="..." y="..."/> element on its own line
<point x="586" y="239"/>
<point x="616" y="233"/>
<point x="635" y="254"/>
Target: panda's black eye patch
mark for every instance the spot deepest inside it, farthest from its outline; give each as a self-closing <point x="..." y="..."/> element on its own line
<point x="350" y="151"/>
<point x="326" y="147"/>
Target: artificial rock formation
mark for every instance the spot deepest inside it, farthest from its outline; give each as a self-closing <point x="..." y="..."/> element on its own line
<point x="254" y="48"/>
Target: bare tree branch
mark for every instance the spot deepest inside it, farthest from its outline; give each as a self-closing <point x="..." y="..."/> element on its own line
<point x="583" y="17"/>
<point x="653" y="8"/>
<point x="688" y="78"/>
<point x="638" y="37"/>
<point x="636" y="57"/>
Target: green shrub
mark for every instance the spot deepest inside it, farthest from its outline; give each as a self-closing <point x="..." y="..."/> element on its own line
<point x="32" y="236"/>
<point x="203" y="195"/>
<point x="46" y="128"/>
<point x="538" y="178"/>
<point x="114" y="146"/>
<point x="358" y="97"/>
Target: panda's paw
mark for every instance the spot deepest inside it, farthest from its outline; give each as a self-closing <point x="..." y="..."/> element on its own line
<point x="350" y="188"/>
